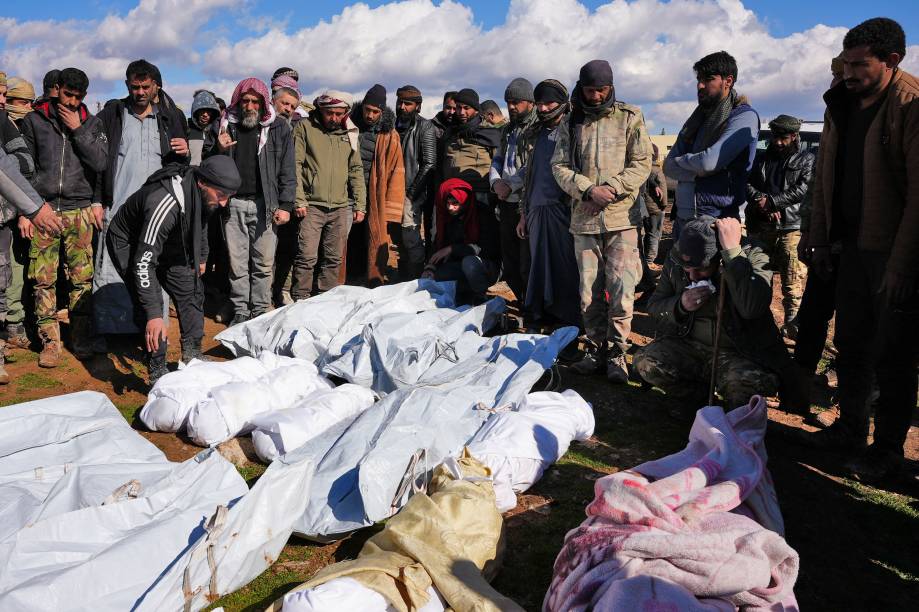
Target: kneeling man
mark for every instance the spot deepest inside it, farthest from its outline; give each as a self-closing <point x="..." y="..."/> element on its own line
<point x="752" y="358"/>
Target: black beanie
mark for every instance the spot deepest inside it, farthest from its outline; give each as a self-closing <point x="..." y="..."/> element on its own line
<point x="698" y="242"/>
<point x="596" y="73"/>
<point x="550" y="90"/>
<point x="469" y="97"/>
<point x="376" y="96"/>
<point x="221" y="172"/>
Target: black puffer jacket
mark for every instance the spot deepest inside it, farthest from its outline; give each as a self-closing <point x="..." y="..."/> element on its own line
<point x="171" y="123"/>
<point x="67" y="163"/>
<point x="797" y="171"/>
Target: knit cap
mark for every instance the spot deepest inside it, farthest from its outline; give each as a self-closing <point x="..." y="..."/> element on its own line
<point x="376" y="96"/>
<point x="519" y="89"/>
<point x="469" y="97"/>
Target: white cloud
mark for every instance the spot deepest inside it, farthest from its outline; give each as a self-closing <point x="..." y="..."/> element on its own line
<point x="651" y="45"/>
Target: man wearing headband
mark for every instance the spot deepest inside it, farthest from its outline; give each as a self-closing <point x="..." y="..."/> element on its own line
<point x="330" y="191"/>
<point x="419" y="154"/>
<point x="777" y="186"/>
<point x="752" y="359"/>
<point x="158" y="241"/>
<point x="602" y="158"/>
<point x="545" y="217"/>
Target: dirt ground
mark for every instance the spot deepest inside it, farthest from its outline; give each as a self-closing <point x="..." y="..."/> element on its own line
<point x="859" y="545"/>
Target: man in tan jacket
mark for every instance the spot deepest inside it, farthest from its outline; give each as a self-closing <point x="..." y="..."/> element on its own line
<point x="602" y="158"/>
<point x="866" y="197"/>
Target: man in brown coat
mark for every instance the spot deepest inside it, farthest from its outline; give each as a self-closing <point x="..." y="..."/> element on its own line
<point x="866" y="197"/>
<point x="384" y="176"/>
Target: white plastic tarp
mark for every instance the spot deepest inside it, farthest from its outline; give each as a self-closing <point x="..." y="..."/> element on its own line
<point x="95" y="518"/>
<point x="365" y="469"/>
<point x="319" y="329"/>
<point x="519" y="445"/>
<point x="228" y="410"/>
<point x="280" y="431"/>
<point x="396" y="350"/>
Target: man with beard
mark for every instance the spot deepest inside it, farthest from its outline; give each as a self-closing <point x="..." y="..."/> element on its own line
<point x="384" y="179"/>
<point x="286" y="100"/>
<point x="143" y="136"/>
<point x="252" y="135"/>
<point x="330" y="177"/>
<point x="602" y="158"/>
<point x="444" y="119"/>
<point x="715" y="148"/>
<point x="419" y="154"/>
<point x="506" y="178"/>
<point x="69" y="148"/>
<point x="865" y="195"/>
<point x="158" y="242"/>
<point x="204" y="110"/>
<point x="469" y="147"/>
<point x="777" y="186"/>
<point x="545" y="217"/>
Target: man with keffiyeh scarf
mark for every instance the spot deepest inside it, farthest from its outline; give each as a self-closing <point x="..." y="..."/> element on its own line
<point x="252" y="135"/>
<point x="714" y="150"/>
<point x="602" y="158"/>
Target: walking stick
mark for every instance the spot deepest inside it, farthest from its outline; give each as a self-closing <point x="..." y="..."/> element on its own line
<point x="711" y="385"/>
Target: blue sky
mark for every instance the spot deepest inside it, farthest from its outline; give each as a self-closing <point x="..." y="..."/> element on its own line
<point x="783" y="47"/>
<point x="781" y="16"/>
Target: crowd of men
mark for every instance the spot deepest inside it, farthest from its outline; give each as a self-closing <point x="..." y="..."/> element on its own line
<point x="270" y="199"/>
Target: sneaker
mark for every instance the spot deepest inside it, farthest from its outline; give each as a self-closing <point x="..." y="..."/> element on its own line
<point x="617" y="369"/>
<point x="16" y="337"/>
<point x="593" y="361"/>
<point x="224" y="313"/>
<point x="875" y="464"/>
<point x="239" y="318"/>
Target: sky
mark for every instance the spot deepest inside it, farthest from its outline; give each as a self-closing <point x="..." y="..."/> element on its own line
<point x="783" y="47"/>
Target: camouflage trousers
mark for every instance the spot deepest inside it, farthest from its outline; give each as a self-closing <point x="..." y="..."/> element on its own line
<point x="682" y="368"/>
<point x="782" y="248"/>
<point x="44" y="258"/>
<point x="610" y="267"/>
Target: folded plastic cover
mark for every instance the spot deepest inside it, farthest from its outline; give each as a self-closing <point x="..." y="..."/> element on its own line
<point x="95" y="518"/>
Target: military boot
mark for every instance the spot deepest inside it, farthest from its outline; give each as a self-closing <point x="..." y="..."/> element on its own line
<point x="593" y="361"/>
<point x="16" y="337"/>
<point x="81" y="337"/>
<point x="156" y="367"/>
<point x="191" y="349"/>
<point x="4" y="377"/>
<point x="50" y="335"/>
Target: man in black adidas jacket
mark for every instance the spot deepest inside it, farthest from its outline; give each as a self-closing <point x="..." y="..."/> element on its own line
<point x="157" y="240"/>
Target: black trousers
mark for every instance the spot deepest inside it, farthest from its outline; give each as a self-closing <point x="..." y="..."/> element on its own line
<point x="873" y="335"/>
<point x="515" y="253"/>
<point x="817" y="307"/>
<point x="186" y="289"/>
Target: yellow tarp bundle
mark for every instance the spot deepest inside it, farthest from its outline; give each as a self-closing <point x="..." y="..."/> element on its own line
<point x="447" y="538"/>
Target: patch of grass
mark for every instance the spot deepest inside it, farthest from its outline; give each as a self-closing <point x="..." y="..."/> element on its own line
<point x="892" y="501"/>
<point x="905" y="576"/>
<point x="36" y="380"/>
<point x="292" y="568"/>
<point x="129" y="410"/>
<point x="251" y="472"/>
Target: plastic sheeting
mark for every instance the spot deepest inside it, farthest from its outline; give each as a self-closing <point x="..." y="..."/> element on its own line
<point x="349" y="594"/>
<point x="95" y="518"/>
<point x="366" y="469"/>
<point x="395" y="351"/>
<point x="519" y="445"/>
<point x="281" y="431"/>
<point x="320" y="329"/>
<point x="229" y="409"/>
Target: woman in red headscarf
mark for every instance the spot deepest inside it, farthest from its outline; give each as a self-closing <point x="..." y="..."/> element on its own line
<point x="465" y="242"/>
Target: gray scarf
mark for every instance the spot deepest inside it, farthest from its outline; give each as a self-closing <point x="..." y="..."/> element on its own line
<point x="709" y="123"/>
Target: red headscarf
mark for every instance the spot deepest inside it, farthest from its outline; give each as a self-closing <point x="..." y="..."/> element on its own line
<point x="258" y="88"/>
<point x="462" y="192"/>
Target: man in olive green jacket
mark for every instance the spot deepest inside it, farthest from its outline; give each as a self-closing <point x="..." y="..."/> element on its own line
<point x="602" y="158"/>
<point x="330" y="192"/>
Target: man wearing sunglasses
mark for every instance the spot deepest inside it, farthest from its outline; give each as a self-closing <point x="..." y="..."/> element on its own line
<point x="158" y="241"/>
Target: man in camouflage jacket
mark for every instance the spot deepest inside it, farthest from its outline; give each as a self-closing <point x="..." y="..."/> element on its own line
<point x="602" y="158"/>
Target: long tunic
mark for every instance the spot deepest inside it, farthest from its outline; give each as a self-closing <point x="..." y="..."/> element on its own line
<point x="553" y="283"/>
<point x="139" y="156"/>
